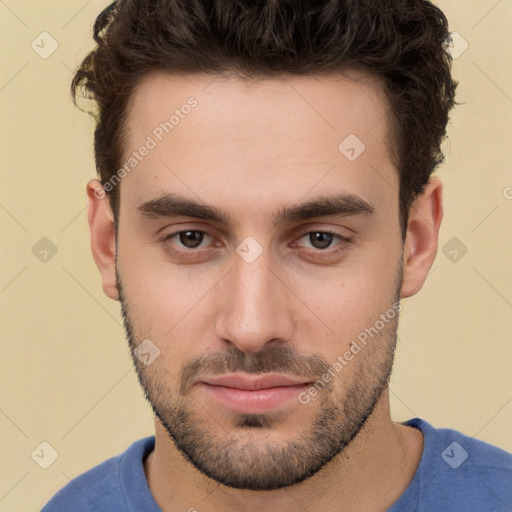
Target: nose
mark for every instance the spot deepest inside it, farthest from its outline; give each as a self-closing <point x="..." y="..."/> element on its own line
<point x="255" y="306"/>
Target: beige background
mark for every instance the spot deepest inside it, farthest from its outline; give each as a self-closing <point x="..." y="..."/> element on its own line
<point x="65" y="375"/>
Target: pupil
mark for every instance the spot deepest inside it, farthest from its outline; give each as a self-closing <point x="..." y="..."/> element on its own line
<point x="191" y="239"/>
<point x="320" y="240"/>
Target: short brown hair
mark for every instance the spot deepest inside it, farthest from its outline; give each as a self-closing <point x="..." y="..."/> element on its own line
<point x="400" y="41"/>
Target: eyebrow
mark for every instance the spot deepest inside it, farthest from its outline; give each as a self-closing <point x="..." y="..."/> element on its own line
<point x="174" y="205"/>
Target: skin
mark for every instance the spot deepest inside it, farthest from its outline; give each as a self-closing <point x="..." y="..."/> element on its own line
<point x="251" y="148"/>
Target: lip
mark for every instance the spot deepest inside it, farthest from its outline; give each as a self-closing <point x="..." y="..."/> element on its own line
<point x="253" y="394"/>
<point x="253" y="382"/>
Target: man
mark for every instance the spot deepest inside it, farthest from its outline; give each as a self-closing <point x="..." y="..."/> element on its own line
<point x="265" y="203"/>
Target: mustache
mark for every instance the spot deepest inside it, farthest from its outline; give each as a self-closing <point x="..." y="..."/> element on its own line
<point x="273" y="359"/>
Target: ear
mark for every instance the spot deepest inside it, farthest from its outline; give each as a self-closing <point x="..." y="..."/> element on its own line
<point x="103" y="243"/>
<point x="421" y="239"/>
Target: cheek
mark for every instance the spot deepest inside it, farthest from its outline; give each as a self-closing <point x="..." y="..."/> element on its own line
<point x="352" y="295"/>
<point x="172" y="310"/>
<point x="153" y="285"/>
<point x="349" y="306"/>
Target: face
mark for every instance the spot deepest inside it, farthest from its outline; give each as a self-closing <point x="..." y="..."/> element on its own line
<point x="262" y="265"/>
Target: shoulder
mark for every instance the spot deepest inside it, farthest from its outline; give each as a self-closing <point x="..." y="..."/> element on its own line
<point x="457" y="469"/>
<point x="460" y="450"/>
<point x="101" y="487"/>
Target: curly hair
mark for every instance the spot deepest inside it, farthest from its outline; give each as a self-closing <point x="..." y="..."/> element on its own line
<point x="400" y="41"/>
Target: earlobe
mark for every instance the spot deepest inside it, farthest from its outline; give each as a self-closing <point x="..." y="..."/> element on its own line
<point x="103" y="243"/>
<point x="420" y="248"/>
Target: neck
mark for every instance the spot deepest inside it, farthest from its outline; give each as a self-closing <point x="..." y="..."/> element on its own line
<point x="369" y="474"/>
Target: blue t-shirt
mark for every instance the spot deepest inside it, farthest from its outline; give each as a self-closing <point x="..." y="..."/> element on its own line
<point x="456" y="473"/>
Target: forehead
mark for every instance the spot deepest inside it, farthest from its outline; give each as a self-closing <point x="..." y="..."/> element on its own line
<point x="215" y="135"/>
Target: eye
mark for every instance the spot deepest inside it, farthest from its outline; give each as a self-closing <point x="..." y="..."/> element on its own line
<point x="322" y="240"/>
<point x="194" y="244"/>
<point x="189" y="239"/>
<point x="319" y="239"/>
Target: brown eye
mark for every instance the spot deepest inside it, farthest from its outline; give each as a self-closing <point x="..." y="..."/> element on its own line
<point x="190" y="245"/>
<point x="191" y="239"/>
<point x="320" y="240"/>
<point x="322" y="244"/>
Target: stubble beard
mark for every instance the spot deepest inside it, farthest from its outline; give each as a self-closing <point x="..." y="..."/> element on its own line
<point x="232" y="458"/>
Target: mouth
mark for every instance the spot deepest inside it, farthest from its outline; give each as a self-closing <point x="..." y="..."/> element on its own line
<point x="253" y="394"/>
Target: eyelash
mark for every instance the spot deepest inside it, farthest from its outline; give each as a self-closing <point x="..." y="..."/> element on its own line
<point x="328" y="252"/>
